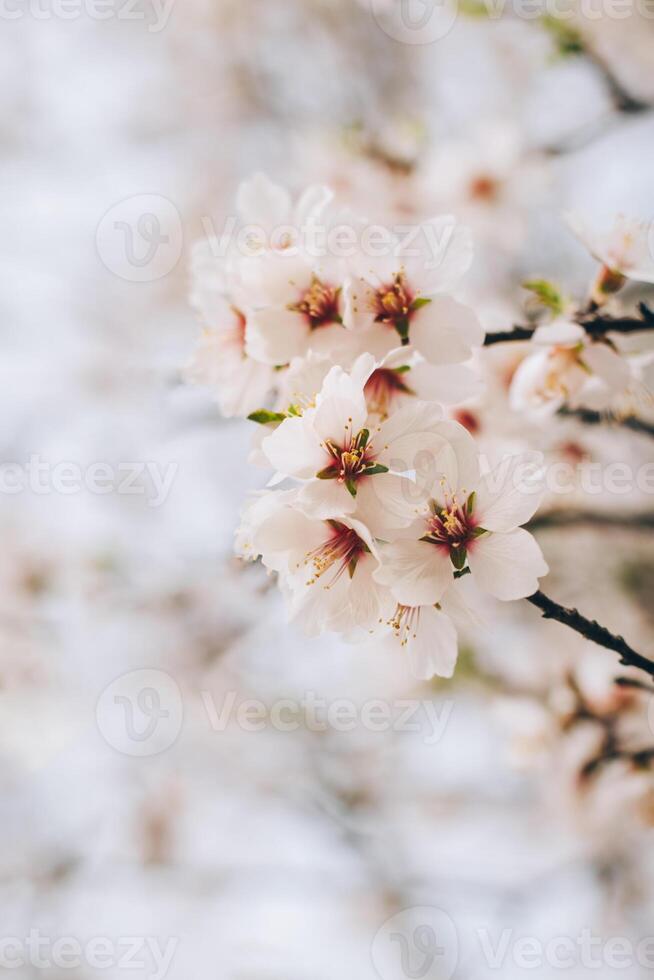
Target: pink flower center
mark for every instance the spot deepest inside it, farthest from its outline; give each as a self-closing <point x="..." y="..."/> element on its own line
<point x="453" y="527"/>
<point x="341" y="551"/>
<point x="319" y="304"/>
<point x="392" y="302"/>
<point x="352" y="459"/>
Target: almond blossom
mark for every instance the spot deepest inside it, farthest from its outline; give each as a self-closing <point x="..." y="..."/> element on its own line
<point x="626" y="251"/>
<point x="470" y="526"/>
<point x="239" y="383"/>
<point x="406" y="294"/>
<point x="326" y="566"/>
<point x="352" y="464"/>
<point x="568" y="368"/>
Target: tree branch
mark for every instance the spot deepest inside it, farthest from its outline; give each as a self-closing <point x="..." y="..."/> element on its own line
<point x="589" y="518"/>
<point x="595" y="325"/>
<point x="590" y="417"/>
<point x="591" y="630"/>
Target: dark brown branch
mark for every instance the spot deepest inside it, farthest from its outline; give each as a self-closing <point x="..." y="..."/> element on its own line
<point x="591" y="630"/>
<point x="595" y="325"/>
<point x="590" y="417"/>
<point x="589" y="518"/>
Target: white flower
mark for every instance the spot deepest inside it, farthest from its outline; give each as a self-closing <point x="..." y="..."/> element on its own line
<point x="349" y="462"/>
<point x="298" y="307"/>
<point x="428" y="633"/>
<point x="404" y="294"/>
<point x="239" y="383"/>
<point x="272" y="220"/>
<point x="626" y="249"/>
<point x="326" y="566"/>
<point x="567" y="368"/>
<point x="470" y="525"/>
<point x="404" y="375"/>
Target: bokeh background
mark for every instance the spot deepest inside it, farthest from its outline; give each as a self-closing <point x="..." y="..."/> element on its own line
<point x="272" y="854"/>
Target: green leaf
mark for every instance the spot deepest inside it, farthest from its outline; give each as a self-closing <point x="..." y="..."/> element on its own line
<point x="546" y="293"/>
<point x="351" y="487"/>
<point x="264" y="417"/>
<point x="419" y="302"/>
<point x="374" y="469"/>
<point x="458" y="557"/>
<point x="329" y="473"/>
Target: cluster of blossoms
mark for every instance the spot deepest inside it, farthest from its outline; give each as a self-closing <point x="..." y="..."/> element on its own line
<point x="379" y="514"/>
<point x="568" y="367"/>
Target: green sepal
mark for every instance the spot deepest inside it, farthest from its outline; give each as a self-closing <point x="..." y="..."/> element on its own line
<point x="419" y="302"/>
<point x="402" y="327"/>
<point x="471" y="502"/>
<point x="264" y="417"/>
<point x="547" y="294"/>
<point x="374" y="469"/>
<point x="478" y="531"/>
<point x="458" y="557"/>
<point x="461" y="572"/>
<point x="352" y="566"/>
<point x="362" y="439"/>
<point x="351" y="487"/>
<point x="329" y="473"/>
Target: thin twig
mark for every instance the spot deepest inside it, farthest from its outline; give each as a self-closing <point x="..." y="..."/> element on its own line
<point x="590" y="417"/>
<point x="591" y="630"/>
<point x="589" y="518"/>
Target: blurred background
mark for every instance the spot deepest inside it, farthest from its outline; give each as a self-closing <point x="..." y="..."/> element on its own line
<point x="175" y="773"/>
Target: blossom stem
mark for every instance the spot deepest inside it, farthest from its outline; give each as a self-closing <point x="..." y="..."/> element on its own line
<point x="591" y="630"/>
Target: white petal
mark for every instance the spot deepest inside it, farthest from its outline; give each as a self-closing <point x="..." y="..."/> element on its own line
<point x="386" y="502"/>
<point x="416" y="572"/>
<point x="507" y="565"/>
<point x="431" y="644"/>
<point x="276" y="335"/>
<point x="559" y="332"/>
<point x="446" y="255"/>
<point x="259" y="201"/>
<point x="294" y="449"/>
<point x="448" y="384"/>
<point x="341" y="408"/>
<point x="276" y="278"/>
<point x="445" y="331"/>
<point x="325" y="498"/>
<point x="511" y="493"/>
<point x="358" y="298"/>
